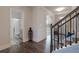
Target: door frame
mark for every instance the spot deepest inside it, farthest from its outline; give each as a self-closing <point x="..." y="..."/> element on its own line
<point x="22" y="22"/>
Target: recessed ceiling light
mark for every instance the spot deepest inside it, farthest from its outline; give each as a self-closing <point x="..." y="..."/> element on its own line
<point x="60" y="9"/>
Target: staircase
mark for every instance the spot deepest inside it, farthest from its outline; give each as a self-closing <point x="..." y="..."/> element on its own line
<point x="65" y="31"/>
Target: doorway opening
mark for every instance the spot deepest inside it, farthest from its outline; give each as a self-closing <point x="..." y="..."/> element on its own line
<point x="16" y="22"/>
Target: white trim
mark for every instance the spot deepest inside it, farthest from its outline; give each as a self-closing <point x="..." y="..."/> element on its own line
<point x="38" y="40"/>
<point x="4" y="46"/>
<point x="25" y="40"/>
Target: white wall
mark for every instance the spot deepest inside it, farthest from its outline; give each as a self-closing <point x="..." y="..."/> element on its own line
<point x="5" y="24"/>
<point x="4" y="27"/>
<point x="38" y="24"/>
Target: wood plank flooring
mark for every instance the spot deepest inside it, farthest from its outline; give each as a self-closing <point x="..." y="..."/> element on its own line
<point x="27" y="47"/>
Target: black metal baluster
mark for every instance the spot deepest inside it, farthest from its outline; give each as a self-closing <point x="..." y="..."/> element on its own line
<point x="54" y="38"/>
<point x="70" y="31"/>
<point x="73" y="29"/>
<point x="61" y="35"/>
<point x="73" y="25"/>
<point x="65" y="34"/>
<point x="58" y="38"/>
<point x="76" y="29"/>
<point x="51" y="41"/>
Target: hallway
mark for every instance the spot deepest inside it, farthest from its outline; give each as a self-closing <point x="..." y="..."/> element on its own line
<point x="32" y="17"/>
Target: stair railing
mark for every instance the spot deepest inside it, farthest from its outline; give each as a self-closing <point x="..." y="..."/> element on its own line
<point x="62" y="31"/>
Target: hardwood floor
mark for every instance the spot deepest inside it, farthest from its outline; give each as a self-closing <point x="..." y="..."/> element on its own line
<point x="32" y="47"/>
<point x="27" y="47"/>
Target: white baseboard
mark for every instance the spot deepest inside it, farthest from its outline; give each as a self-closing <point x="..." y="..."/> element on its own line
<point x="38" y="40"/>
<point x="25" y="40"/>
<point x="4" y="46"/>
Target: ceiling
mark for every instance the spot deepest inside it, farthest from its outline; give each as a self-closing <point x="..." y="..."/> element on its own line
<point x="53" y="9"/>
<point x="61" y="13"/>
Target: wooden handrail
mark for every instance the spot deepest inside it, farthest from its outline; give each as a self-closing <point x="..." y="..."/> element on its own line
<point x="69" y="20"/>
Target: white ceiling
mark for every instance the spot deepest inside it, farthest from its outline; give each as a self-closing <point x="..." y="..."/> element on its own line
<point x="61" y="13"/>
<point x="53" y="9"/>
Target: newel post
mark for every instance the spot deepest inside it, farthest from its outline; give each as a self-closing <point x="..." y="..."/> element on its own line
<point x="51" y="41"/>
